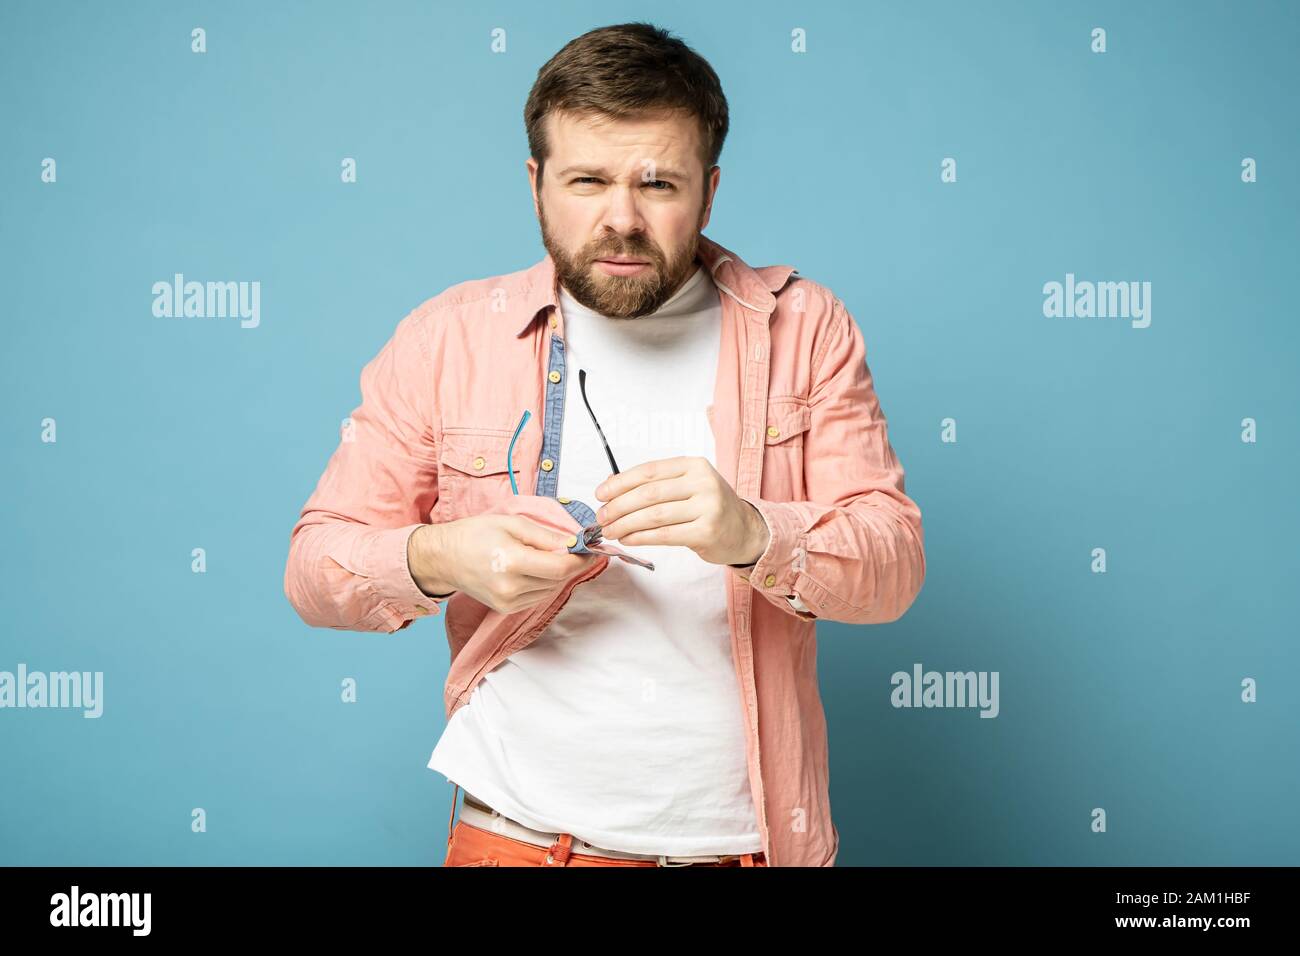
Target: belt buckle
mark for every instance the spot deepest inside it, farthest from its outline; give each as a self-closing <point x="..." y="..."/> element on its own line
<point x="664" y="861"/>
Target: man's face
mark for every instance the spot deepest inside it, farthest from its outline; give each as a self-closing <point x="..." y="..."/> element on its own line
<point x="623" y="189"/>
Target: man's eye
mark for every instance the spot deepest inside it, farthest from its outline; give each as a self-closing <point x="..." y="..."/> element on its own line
<point x="651" y="182"/>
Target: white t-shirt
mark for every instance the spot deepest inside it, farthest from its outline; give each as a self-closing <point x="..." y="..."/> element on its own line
<point x="622" y="722"/>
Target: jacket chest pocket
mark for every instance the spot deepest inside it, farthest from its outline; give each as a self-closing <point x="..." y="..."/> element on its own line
<point x="472" y="473"/>
<point x="788" y="419"/>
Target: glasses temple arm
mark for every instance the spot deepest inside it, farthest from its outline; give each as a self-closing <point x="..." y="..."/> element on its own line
<point x="510" y="469"/>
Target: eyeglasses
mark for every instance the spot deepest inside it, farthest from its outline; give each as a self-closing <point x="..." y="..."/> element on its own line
<point x="582" y="387"/>
<point x="592" y="533"/>
<point x="510" y="450"/>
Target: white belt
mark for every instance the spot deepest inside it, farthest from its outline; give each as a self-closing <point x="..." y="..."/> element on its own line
<point x="498" y="823"/>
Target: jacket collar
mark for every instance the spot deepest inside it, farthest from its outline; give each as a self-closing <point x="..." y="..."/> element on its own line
<point x="752" y="288"/>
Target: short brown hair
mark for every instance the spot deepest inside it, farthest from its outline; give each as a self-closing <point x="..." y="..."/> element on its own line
<point x="622" y="71"/>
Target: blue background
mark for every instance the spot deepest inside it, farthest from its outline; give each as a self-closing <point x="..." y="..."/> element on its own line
<point x="1118" y="690"/>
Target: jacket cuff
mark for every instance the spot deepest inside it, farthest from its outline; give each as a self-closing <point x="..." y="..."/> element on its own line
<point x="389" y="574"/>
<point x="776" y="573"/>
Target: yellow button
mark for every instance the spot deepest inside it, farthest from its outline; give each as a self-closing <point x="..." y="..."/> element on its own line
<point x="547" y="464"/>
<point x="769" y="580"/>
<point x="573" y="539"/>
<point x="553" y="320"/>
<point x="563" y="501"/>
<point x="479" y="462"/>
<point x="773" y="431"/>
<point x="554" y="376"/>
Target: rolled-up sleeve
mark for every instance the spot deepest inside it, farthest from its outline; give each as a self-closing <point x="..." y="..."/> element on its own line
<point x="347" y="566"/>
<point x="854" y="551"/>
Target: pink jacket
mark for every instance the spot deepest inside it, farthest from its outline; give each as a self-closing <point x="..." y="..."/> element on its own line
<point x="799" y="433"/>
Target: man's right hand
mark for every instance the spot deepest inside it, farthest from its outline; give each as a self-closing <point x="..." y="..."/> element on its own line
<point x="507" y="562"/>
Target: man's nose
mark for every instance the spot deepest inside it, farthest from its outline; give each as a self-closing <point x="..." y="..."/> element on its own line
<point x="623" y="216"/>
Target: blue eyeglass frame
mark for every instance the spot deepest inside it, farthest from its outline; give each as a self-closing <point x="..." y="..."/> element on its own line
<point x="592" y="533"/>
<point x="510" y="470"/>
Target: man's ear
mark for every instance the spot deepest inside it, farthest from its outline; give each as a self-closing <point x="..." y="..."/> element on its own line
<point x="710" y="189"/>
<point x="530" y="165"/>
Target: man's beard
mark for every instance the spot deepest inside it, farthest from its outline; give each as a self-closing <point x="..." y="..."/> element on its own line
<point x="620" y="297"/>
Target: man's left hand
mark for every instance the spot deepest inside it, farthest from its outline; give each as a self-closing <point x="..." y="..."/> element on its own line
<point x="682" y="501"/>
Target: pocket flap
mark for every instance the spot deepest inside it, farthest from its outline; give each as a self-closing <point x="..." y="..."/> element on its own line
<point x="786" y="417"/>
<point x="476" y="454"/>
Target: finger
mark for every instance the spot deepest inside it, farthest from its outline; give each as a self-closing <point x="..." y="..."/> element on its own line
<point x="548" y="565"/>
<point x="518" y="599"/>
<point x="674" y="488"/>
<point x="625" y="481"/>
<point x="652" y="516"/>
<point x="682" y="534"/>
<point x="529" y="532"/>
<point x="533" y="594"/>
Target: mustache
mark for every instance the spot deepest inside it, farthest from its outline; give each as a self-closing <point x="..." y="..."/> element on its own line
<point x="650" y="255"/>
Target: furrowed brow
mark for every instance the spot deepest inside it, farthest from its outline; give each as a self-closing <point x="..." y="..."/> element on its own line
<point x="660" y="172"/>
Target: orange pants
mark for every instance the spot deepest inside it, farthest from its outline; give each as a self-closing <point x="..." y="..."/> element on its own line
<point x="470" y="845"/>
